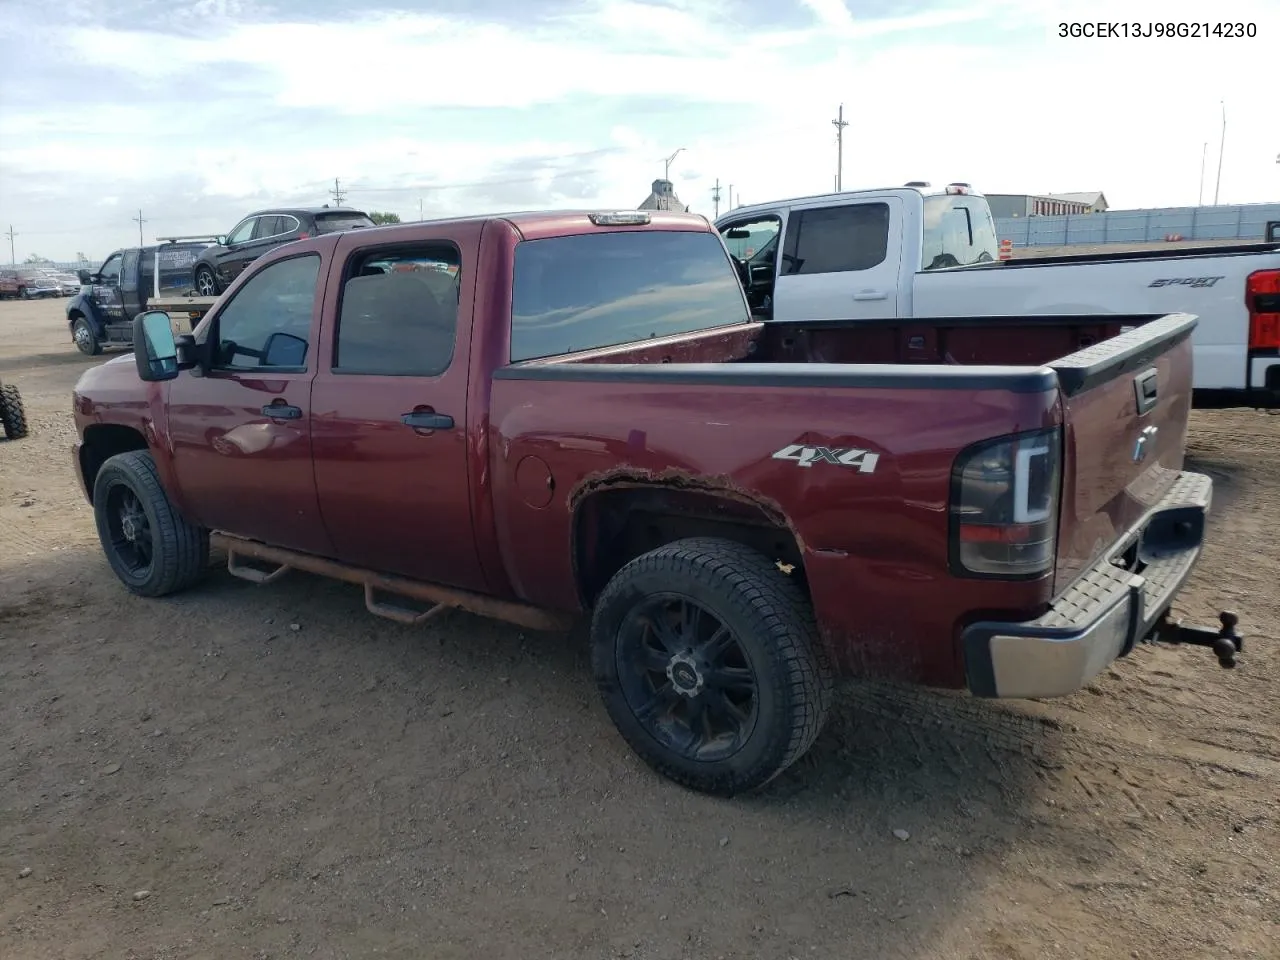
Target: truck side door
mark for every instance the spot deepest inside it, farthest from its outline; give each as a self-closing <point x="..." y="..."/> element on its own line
<point x="132" y="295"/>
<point x="840" y="261"/>
<point x="105" y="292"/>
<point x="390" y="435"/>
<point x="240" y="426"/>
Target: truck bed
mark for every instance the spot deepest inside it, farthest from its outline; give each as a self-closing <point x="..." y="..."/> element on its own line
<point x="965" y="341"/>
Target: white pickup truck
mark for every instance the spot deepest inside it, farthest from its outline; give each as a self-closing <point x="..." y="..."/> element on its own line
<point x="905" y="252"/>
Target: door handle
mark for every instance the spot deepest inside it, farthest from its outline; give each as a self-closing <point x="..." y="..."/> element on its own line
<point x="871" y="295"/>
<point x="427" y="420"/>
<point x="282" y="411"/>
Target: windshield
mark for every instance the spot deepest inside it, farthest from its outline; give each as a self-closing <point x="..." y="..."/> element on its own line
<point x="603" y="289"/>
<point x="958" y="230"/>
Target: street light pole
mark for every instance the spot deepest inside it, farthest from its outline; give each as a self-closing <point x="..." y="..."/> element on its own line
<point x="666" y="169"/>
<point x="1221" y="150"/>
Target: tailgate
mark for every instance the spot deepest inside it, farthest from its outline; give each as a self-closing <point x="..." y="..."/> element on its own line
<point x="1126" y="405"/>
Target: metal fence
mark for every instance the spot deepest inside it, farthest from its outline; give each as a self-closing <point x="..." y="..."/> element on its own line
<point x="1243" y="221"/>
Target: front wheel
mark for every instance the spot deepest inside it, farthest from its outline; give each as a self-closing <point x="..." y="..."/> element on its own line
<point x="709" y="662"/>
<point x="13" y="416"/>
<point x="206" y="283"/>
<point x="86" y="340"/>
<point x="150" y="546"/>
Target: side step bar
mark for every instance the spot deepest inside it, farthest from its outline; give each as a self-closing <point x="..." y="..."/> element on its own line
<point x="240" y="549"/>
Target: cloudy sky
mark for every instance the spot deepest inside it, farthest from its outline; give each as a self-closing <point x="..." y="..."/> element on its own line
<point x="199" y="112"/>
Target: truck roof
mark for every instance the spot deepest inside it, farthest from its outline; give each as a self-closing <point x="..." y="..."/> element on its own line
<point x="836" y="197"/>
<point x="538" y="224"/>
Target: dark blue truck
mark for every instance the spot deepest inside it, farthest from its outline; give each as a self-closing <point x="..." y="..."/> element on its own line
<point x="132" y="281"/>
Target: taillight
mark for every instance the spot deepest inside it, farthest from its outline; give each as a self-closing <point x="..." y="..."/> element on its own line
<point x="1262" y="297"/>
<point x="1004" y="506"/>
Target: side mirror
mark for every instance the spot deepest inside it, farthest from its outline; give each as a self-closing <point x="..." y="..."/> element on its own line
<point x="222" y="239"/>
<point x="84" y="276"/>
<point x="155" y="353"/>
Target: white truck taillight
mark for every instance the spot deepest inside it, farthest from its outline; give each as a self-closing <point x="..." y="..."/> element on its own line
<point x="1004" y="506"/>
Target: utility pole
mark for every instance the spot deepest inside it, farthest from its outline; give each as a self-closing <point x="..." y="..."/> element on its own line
<point x="715" y="195"/>
<point x="666" y="169"/>
<point x="839" y="123"/>
<point x="1221" y="149"/>
<point x="12" y="258"/>
<point x="730" y="206"/>
<point x="139" y="221"/>
<point x="337" y="194"/>
<point x="419" y="208"/>
<point x="1203" y="151"/>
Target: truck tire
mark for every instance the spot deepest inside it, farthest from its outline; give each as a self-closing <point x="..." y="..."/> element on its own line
<point x="733" y="691"/>
<point x="12" y="415"/>
<point x="206" y="283"/>
<point x="24" y="293"/>
<point x="150" y="546"/>
<point x="85" y="339"/>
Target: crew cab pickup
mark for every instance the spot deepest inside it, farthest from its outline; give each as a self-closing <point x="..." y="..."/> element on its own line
<point x="901" y="253"/>
<point x="548" y="417"/>
<point x="130" y="282"/>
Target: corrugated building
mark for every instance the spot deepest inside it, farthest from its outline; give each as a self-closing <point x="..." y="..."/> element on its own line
<point x="1010" y="205"/>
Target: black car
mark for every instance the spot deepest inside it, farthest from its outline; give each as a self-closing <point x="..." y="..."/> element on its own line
<point x="265" y="230"/>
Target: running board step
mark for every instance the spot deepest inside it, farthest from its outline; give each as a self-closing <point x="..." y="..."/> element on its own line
<point x="400" y="614"/>
<point x="253" y="574"/>
<point x="441" y="598"/>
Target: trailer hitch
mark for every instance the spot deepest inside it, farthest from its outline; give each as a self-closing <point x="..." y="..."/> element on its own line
<point x="1224" y="642"/>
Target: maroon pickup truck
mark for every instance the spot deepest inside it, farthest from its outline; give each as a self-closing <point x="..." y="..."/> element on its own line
<point x="541" y="417"/>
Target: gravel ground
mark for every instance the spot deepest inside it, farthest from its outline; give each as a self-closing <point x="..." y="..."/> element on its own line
<point x="270" y="772"/>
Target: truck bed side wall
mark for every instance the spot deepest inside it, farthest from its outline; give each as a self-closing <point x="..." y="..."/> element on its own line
<point x="870" y="542"/>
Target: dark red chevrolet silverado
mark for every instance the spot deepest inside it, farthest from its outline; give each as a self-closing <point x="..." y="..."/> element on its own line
<point x="541" y="417"/>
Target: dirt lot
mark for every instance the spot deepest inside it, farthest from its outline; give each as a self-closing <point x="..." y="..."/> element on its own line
<point x="286" y="776"/>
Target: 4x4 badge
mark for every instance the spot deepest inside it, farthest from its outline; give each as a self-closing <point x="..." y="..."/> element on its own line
<point x="804" y="456"/>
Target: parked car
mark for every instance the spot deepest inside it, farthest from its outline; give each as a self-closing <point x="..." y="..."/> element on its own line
<point x="263" y="231"/>
<point x="13" y="285"/>
<point x="41" y="285"/>
<point x="904" y="253"/>
<point x="68" y="285"/>
<point x="585" y="421"/>
<point x="13" y="416"/>
<point x="107" y="300"/>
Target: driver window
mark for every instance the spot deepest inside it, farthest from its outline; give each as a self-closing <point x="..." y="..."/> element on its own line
<point x="242" y="233"/>
<point x="268" y="323"/>
<point x="110" y="272"/>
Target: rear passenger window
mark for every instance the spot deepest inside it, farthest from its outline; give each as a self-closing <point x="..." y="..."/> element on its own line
<point x="840" y="239"/>
<point x="399" y="311"/>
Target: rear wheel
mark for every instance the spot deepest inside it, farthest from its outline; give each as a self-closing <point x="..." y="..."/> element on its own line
<point x="150" y="546"/>
<point x="13" y="417"/>
<point x="708" y="659"/>
<point x="206" y="283"/>
<point x="86" y="340"/>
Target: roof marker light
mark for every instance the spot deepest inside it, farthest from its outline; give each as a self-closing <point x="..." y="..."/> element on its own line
<point x="619" y="218"/>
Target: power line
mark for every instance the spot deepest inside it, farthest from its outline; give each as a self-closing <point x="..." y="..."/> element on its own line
<point x="12" y="258"/>
<point x="138" y="219"/>
<point x="840" y="123"/>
